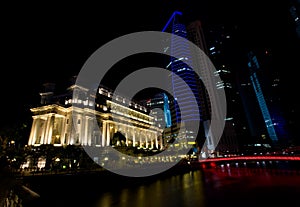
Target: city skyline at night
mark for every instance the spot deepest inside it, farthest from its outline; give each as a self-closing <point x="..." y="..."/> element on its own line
<point x="56" y="49"/>
<point x="150" y="103"/>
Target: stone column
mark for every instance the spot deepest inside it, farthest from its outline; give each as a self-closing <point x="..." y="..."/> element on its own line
<point x="81" y="129"/>
<point x="86" y="138"/>
<point x="140" y="134"/>
<point x="68" y="129"/>
<point x="156" y="142"/>
<point x="46" y="129"/>
<point x="133" y="138"/>
<point x="103" y="133"/>
<point x="62" y="133"/>
<point x="126" y="135"/>
<point x="147" y="145"/>
<point x="51" y="123"/>
<point x="152" y="141"/>
<point x="33" y="131"/>
<point x="41" y="130"/>
<point x="89" y="130"/>
<point x="108" y="134"/>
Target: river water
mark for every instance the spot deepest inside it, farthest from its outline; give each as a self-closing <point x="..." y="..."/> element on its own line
<point x="219" y="186"/>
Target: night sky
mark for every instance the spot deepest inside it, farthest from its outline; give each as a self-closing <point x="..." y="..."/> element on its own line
<point x="51" y="41"/>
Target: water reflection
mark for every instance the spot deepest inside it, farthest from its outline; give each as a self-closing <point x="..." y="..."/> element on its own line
<point x="178" y="190"/>
<point x="230" y="185"/>
<point x="225" y="185"/>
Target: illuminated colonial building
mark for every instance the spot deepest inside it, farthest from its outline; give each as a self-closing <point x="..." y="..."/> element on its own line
<point x="87" y="119"/>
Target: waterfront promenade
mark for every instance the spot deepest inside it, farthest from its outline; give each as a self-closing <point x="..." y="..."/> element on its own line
<point x="210" y="182"/>
<point x="184" y="164"/>
<point x="227" y="181"/>
<point x="226" y="185"/>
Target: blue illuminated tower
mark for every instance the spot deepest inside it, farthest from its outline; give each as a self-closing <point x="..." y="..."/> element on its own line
<point x="254" y="66"/>
<point x="188" y="117"/>
<point x="163" y="116"/>
<point x="167" y="113"/>
<point x="179" y="48"/>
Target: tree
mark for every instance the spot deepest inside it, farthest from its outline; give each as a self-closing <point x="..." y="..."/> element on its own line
<point x="118" y="138"/>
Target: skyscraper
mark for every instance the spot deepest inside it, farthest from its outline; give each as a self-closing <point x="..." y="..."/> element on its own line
<point x="159" y="106"/>
<point x="186" y="114"/>
<point x="253" y="65"/>
<point x="219" y="44"/>
<point x="179" y="48"/>
<point x="295" y="14"/>
<point x="196" y="70"/>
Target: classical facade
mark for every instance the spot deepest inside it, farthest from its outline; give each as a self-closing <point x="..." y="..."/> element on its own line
<point x="79" y="117"/>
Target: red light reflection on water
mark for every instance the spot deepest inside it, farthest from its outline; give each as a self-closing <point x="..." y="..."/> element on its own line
<point x="236" y="183"/>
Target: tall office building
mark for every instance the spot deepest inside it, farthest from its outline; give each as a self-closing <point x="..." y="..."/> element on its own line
<point x="209" y="99"/>
<point x="195" y="34"/>
<point x="260" y="92"/>
<point x="293" y="63"/>
<point x="295" y="15"/>
<point x="179" y="48"/>
<point x="265" y="82"/>
<point x="185" y="105"/>
<point x="159" y="106"/>
<point x="244" y="123"/>
<point x="201" y="81"/>
<point x="221" y="51"/>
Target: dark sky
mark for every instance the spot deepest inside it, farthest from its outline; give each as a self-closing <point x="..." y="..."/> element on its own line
<point x="51" y="41"/>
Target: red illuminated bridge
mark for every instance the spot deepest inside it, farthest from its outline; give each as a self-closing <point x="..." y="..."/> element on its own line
<point x="253" y="160"/>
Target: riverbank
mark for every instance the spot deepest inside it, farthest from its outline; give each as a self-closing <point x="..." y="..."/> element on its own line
<point x="81" y="188"/>
<point x="88" y="184"/>
<point x="227" y="186"/>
